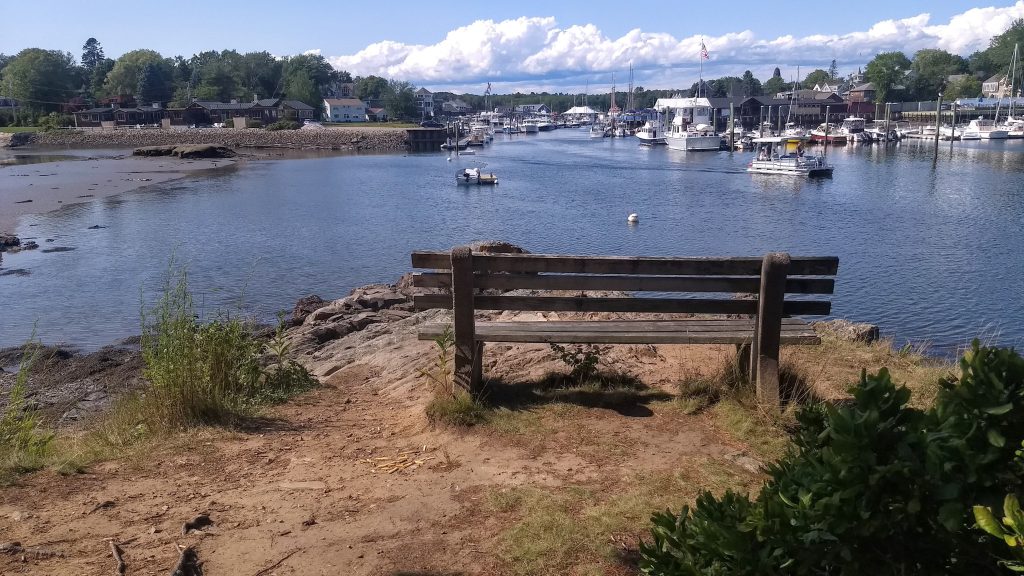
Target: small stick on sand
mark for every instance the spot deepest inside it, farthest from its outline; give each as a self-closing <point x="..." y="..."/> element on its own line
<point x="115" y="550"/>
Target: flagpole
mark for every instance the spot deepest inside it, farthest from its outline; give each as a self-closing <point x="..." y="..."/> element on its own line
<point x="700" y="80"/>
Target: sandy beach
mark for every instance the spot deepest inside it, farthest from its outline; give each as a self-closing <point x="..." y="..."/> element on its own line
<point x="42" y="187"/>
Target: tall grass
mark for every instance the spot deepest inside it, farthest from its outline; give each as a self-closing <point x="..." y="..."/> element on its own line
<point x="199" y="373"/>
<point x="24" y="444"/>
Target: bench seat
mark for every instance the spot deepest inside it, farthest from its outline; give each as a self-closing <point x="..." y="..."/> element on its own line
<point x="692" y="331"/>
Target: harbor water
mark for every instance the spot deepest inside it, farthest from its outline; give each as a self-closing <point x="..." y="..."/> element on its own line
<point x="933" y="252"/>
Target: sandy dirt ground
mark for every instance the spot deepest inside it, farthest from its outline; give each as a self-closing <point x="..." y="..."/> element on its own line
<point x="314" y="488"/>
<point x="42" y="187"/>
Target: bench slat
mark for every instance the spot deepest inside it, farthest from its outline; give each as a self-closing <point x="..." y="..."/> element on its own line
<point x="731" y="266"/>
<point x="571" y="332"/>
<point x="639" y="305"/>
<point x="735" y="284"/>
<point x="710" y="325"/>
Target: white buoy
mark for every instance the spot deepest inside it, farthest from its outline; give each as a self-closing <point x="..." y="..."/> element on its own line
<point x="633" y="218"/>
<point x="449" y="158"/>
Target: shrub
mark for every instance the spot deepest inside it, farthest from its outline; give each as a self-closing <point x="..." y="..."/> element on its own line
<point x="582" y="359"/>
<point x="450" y="404"/>
<point x="284" y="125"/>
<point x="875" y="486"/>
<point x="24" y="444"/>
<point x="199" y="373"/>
<point x="53" y="121"/>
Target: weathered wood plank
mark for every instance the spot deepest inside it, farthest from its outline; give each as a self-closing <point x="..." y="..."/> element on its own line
<point x="566" y="264"/>
<point x="735" y="284"/>
<point x="638" y="305"/>
<point x="771" y="305"/>
<point x="790" y="325"/>
<point x="738" y="337"/>
<point x="463" y="319"/>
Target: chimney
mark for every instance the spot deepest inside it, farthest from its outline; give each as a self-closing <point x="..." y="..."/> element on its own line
<point x="255" y="98"/>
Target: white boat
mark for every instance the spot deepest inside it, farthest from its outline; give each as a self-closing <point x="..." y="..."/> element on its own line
<point x="620" y="132"/>
<point x="793" y="130"/>
<point x="473" y="176"/>
<point x="545" y="125"/>
<point x="690" y="128"/>
<point x="853" y="129"/>
<point x="531" y="126"/>
<point x="651" y="133"/>
<point x="953" y="133"/>
<point x="983" y="129"/>
<point x="785" y="155"/>
<point x="598" y="131"/>
<point x="1014" y="127"/>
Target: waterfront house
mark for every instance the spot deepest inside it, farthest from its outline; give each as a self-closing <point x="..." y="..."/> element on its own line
<point x="424" y="102"/>
<point x="345" y="110"/>
<point x="95" y="117"/>
<point x="456" y="106"/>
<point x="376" y="115"/>
<point x="997" y="86"/>
<point x="862" y="93"/>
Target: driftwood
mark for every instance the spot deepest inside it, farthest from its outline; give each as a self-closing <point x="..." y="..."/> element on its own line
<point x="188" y="563"/>
<point x="15" y="548"/>
<point x="276" y="564"/>
<point x="115" y="551"/>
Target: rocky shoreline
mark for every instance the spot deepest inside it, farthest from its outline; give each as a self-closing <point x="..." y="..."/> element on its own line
<point x="354" y="139"/>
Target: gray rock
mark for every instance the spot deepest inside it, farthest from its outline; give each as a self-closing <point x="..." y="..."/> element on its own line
<point x="846" y="330"/>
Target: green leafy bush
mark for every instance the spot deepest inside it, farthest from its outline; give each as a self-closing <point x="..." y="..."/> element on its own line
<point x="54" y="121"/>
<point x="284" y="125"/>
<point x="871" y="487"/>
<point x="582" y="359"/>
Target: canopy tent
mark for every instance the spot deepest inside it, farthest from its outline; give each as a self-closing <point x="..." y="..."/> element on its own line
<point x="581" y="110"/>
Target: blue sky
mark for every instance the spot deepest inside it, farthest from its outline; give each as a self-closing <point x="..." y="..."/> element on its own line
<point x="577" y="42"/>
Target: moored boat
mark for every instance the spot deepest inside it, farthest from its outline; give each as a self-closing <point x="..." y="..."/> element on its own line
<point x="651" y="133"/>
<point x="690" y="128"/>
<point x="474" y="176"/>
<point x="828" y="133"/>
<point x="983" y="129"/>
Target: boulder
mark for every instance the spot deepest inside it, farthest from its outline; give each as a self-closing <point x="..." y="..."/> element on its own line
<point x="496" y="247"/>
<point x="9" y="241"/>
<point x="154" y="150"/>
<point x="846" y="330"/>
<point x="204" y="151"/>
<point x="306" y="306"/>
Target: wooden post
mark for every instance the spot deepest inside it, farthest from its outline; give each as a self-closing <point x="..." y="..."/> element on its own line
<point x="774" y="269"/>
<point x="466" y="375"/>
<point x="732" y="127"/>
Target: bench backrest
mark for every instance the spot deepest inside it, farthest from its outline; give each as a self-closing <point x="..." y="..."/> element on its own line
<point x="698" y="277"/>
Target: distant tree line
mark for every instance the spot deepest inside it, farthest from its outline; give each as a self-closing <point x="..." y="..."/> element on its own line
<point x="46" y="81"/>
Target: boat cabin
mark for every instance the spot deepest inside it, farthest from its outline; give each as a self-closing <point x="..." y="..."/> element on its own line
<point x="853" y="125"/>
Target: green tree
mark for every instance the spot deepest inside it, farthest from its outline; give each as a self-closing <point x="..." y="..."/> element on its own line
<point x="1000" y="48"/>
<point x="98" y="77"/>
<point x="399" y="100"/>
<point x="833" y="70"/>
<point x="775" y="84"/>
<point x="370" y="87"/>
<point x="216" y="80"/>
<point x="41" y="79"/>
<point x="966" y="87"/>
<point x="153" y="86"/>
<point x="929" y="71"/>
<point x="817" y="77"/>
<point x="92" y="54"/>
<point x="886" y="71"/>
<point x="123" y="78"/>
<point x="298" y="85"/>
<point x="260" y="74"/>
<point x="751" y="85"/>
<point x="4" y="59"/>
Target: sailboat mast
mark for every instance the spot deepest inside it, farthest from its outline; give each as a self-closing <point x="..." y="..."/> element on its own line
<point x="1013" y="77"/>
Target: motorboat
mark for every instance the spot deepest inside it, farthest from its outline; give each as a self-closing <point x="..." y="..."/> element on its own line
<point x="1014" y="127"/>
<point x="598" y="131"/>
<point x="545" y="125"/>
<point x="785" y="155"/>
<point x="828" y="133"/>
<point x="878" y="134"/>
<point x="793" y="130"/>
<point x="853" y="128"/>
<point x="955" y="133"/>
<point x="651" y="133"/>
<point x="473" y="176"/>
<point x="531" y="126"/>
<point x="620" y="132"/>
<point x="690" y="128"/>
<point x="983" y="129"/>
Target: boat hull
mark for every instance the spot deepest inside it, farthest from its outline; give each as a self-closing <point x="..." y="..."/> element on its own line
<point x="837" y="139"/>
<point x="694" y="143"/>
<point x="648" y="141"/>
<point x="789" y="169"/>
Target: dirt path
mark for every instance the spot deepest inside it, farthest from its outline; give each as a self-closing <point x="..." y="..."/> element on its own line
<point x="305" y="491"/>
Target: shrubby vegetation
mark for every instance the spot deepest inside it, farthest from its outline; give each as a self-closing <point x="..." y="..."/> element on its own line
<point x="875" y="486"/>
<point x="24" y="443"/>
<point x="284" y="125"/>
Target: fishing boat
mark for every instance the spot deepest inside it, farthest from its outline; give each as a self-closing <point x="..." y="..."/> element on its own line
<point x="785" y="155"/>
<point x="651" y="133"/>
<point x="690" y="128"/>
<point x="531" y="126"/>
<point x="853" y="128"/>
<point x="828" y="133"/>
<point x="473" y="176"/>
<point x="598" y="130"/>
<point x="545" y="125"/>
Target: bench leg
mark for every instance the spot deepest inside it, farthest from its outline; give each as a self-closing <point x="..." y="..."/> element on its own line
<point x="769" y="326"/>
<point x="476" y="384"/>
<point x="743" y="363"/>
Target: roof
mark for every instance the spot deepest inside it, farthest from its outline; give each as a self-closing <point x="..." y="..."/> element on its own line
<point x="99" y="110"/>
<point x="423" y="91"/>
<point x="996" y="78"/>
<point x="581" y="110"/>
<point x="662" y="103"/>
<point x="297" y="105"/>
<point x="863" y="88"/>
<point x="211" y="105"/>
<point x="376" y="110"/>
<point x="267" y="102"/>
<point x="345" y="102"/>
<point x="723" y="103"/>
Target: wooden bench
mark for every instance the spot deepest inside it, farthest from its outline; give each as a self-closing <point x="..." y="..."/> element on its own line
<point x="709" y="286"/>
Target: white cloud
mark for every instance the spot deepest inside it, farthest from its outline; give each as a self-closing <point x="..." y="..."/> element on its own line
<point x="537" y="53"/>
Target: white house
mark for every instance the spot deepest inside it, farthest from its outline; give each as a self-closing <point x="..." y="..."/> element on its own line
<point x="533" y="109"/>
<point x="996" y="87"/>
<point x="425" y="102"/>
<point x="456" y="106"/>
<point x="344" y="110"/>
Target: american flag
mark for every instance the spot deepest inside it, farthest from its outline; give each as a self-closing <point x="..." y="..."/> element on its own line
<point x="704" y="51"/>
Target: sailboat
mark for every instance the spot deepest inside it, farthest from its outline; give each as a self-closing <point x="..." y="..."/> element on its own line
<point x="1014" y="127"/>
